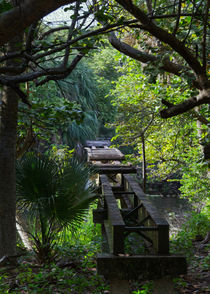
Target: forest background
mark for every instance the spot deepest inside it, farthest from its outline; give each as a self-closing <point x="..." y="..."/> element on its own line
<point x="64" y="84"/>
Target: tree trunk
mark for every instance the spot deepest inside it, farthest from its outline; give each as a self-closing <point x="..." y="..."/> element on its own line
<point x="8" y="131"/>
<point x="144" y="169"/>
<point x="8" y="126"/>
<point x="201" y="132"/>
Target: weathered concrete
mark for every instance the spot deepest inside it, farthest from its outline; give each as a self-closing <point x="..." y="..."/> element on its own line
<point x="137" y="266"/>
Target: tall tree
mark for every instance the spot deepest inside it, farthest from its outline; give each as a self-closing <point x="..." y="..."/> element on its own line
<point x="8" y="127"/>
<point x="29" y="59"/>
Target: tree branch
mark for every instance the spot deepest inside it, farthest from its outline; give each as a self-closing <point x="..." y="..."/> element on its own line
<point x="178" y="18"/>
<point x="70" y="34"/>
<point x="12" y="69"/>
<point x="103" y="30"/>
<point x="31" y="11"/>
<point x="50" y="71"/>
<point x="146" y="57"/>
<point x="205" y="33"/>
<point x="195" y="113"/>
<point x="163" y="35"/>
<point x="185" y="106"/>
<point x="51" y="31"/>
<point x="174" y="15"/>
<point x="30" y="36"/>
<point x="65" y="73"/>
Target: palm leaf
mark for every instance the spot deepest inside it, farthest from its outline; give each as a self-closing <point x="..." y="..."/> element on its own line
<point x="59" y="194"/>
<point x="37" y="179"/>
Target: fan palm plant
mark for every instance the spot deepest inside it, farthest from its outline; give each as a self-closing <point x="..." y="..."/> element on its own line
<point x="56" y="196"/>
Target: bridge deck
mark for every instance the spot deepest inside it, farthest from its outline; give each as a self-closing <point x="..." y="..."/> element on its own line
<point x="133" y="213"/>
<point x="122" y="210"/>
<point x="104" y="154"/>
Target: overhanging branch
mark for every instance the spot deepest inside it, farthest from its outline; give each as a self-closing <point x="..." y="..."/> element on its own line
<point x="144" y="57"/>
<point x="163" y="35"/>
<point x="19" y="18"/>
<point x="185" y="106"/>
<point x="65" y="72"/>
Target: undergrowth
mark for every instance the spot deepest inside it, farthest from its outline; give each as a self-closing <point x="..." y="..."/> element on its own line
<point x="195" y="227"/>
<point x="190" y="241"/>
<point x="72" y="271"/>
<point x="74" y="267"/>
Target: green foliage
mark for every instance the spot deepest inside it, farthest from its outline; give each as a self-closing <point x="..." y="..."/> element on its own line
<point x="172" y="146"/>
<point x="138" y="103"/>
<point x="88" y="235"/>
<point x="146" y="288"/>
<point x="82" y="244"/>
<point x="179" y="282"/>
<point x="182" y="244"/>
<point x="73" y="270"/>
<point x="189" y="30"/>
<point x="104" y="66"/>
<point x="80" y="87"/>
<point x="55" y="195"/>
<point x="54" y="279"/>
<point x="68" y="112"/>
<point x="4" y="287"/>
<point x="195" y="181"/>
<point x="135" y="102"/>
<point x="61" y="153"/>
<point x="78" y="133"/>
<point x="5" y="6"/>
<point x="46" y="117"/>
<point x="205" y="262"/>
<point x="134" y="244"/>
<point x="196" y="224"/>
<point x="72" y="110"/>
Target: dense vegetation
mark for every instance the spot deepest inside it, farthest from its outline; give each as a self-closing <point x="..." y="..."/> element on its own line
<point x="67" y="261"/>
<point x="64" y="85"/>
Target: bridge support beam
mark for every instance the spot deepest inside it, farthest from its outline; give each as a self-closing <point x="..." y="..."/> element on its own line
<point x="150" y="267"/>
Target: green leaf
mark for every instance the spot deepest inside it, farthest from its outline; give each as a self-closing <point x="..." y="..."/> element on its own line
<point x="5" y="6"/>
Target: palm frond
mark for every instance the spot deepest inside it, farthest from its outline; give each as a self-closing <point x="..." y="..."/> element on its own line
<point x="37" y="178"/>
<point x="59" y="194"/>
